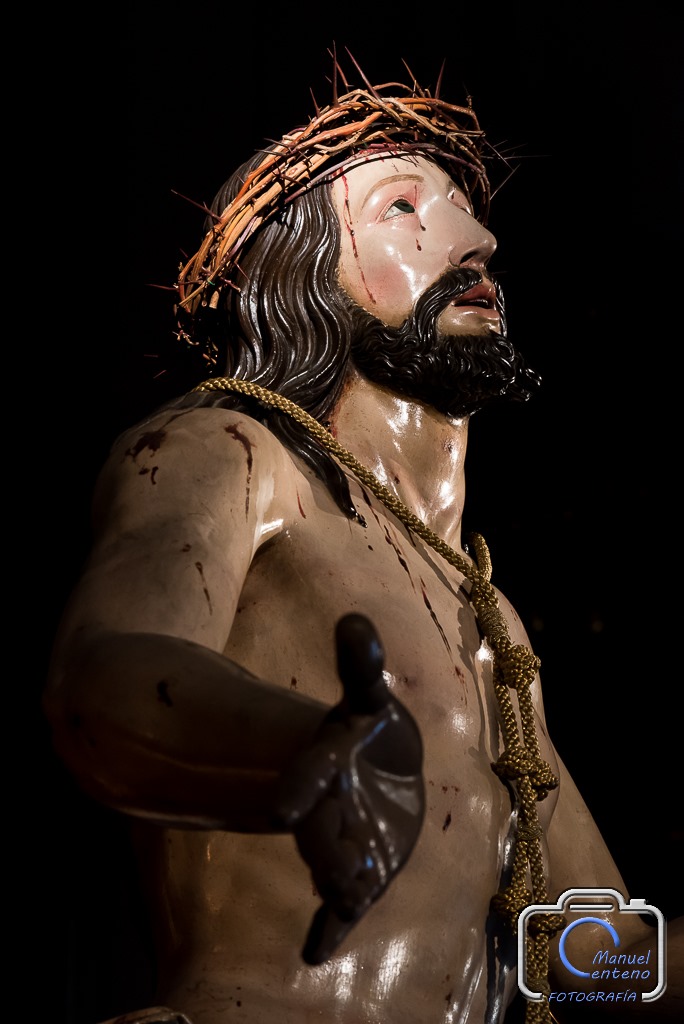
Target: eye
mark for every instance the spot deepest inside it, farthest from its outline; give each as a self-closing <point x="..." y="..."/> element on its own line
<point x="399" y="207"/>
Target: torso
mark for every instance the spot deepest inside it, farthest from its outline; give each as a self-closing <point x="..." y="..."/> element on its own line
<point x="235" y="909"/>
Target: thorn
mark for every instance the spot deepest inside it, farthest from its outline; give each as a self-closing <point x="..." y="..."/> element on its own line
<point x="439" y="79"/>
<point x="316" y="107"/>
<point x="336" y="67"/>
<point x="413" y="77"/>
<point x="360" y="71"/>
<point x="162" y="287"/>
<point x="467" y="94"/>
<point x="342" y="74"/>
<point x="200" y="206"/>
<point x="506" y="179"/>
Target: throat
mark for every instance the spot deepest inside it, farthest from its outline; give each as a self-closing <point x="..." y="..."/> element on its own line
<point x="417" y="453"/>
<point x="436" y="500"/>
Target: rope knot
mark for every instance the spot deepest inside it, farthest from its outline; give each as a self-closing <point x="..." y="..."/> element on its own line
<point x="514" y="763"/>
<point x="542" y="778"/>
<point x="511" y="902"/>
<point x="546" y="924"/>
<point x="519" y="666"/>
<point x="491" y="620"/>
<point x="538" y="984"/>
<point x="528" y="833"/>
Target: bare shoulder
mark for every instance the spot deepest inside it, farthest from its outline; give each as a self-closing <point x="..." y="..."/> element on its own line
<point x="211" y="434"/>
<point x="182" y="504"/>
<point x="186" y="457"/>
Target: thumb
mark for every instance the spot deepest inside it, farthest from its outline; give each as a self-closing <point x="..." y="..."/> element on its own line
<point x="302" y="785"/>
<point x="325" y="934"/>
<point x="360" y="661"/>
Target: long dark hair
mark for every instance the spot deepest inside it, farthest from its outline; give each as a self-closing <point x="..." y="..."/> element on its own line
<point x="288" y="328"/>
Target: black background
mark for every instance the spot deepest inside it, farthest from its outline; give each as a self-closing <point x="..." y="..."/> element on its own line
<point x="575" y="492"/>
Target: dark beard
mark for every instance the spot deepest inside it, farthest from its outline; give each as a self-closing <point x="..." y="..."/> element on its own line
<point x="455" y="374"/>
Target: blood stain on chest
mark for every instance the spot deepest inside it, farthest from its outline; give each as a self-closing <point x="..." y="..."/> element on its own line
<point x="434" y="618"/>
<point x="235" y="432"/>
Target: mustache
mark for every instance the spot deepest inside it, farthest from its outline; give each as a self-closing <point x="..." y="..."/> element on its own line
<point x="405" y="348"/>
<point x="455" y="374"/>
<point x="453" y="283"/>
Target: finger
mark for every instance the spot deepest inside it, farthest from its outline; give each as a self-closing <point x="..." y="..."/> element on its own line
<point x="302" y="785"/>
<point x="335" y="861"/>
<point x="360" y="661"/>
<point x="354" y="897"/>
<point x="326" y="933"/>
<point x="348" y="870"/>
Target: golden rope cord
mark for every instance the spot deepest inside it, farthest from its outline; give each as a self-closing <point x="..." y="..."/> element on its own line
<point x="515" y="667"/>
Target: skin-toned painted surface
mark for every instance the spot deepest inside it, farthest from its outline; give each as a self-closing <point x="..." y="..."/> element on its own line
<point x="198" y="658"/>
<point x="403" y="227"/>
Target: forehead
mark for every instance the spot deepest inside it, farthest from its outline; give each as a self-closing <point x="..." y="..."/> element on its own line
<point x="359" y="182"/>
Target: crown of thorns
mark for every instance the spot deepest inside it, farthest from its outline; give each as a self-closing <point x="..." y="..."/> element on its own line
<point x="363" y="123"/>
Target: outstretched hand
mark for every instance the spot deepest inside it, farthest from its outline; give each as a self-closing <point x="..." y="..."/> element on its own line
<point x="355" y="798"/>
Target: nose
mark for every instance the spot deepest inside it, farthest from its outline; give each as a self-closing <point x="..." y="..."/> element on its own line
<point x="474" y="247"/>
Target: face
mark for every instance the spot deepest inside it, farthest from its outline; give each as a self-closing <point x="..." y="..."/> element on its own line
<point x="404" y="223"/>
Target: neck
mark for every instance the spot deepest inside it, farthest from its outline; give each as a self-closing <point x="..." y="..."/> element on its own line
<point x="416" y="452"/>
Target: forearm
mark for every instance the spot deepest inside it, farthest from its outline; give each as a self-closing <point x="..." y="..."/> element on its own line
<point x="162" y="728"/>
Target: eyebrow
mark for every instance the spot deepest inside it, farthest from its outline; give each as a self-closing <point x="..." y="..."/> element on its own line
<point x="385" y="181"/>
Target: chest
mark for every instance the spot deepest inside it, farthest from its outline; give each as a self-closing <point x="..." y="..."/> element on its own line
<point x="321" y="566"/>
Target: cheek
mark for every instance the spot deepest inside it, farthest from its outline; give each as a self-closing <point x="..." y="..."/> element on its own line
<point x="389" y="290"/>
<point x="383" y="284"/>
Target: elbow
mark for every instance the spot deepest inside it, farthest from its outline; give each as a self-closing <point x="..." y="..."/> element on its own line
<point x="78" y="747"/>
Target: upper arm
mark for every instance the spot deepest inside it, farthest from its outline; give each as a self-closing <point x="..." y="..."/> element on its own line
<point x="181" y="506"/>
<point x="146" y="709"/>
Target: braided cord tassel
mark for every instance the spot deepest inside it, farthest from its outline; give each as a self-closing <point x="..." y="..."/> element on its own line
<point x="515" y="667"/>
